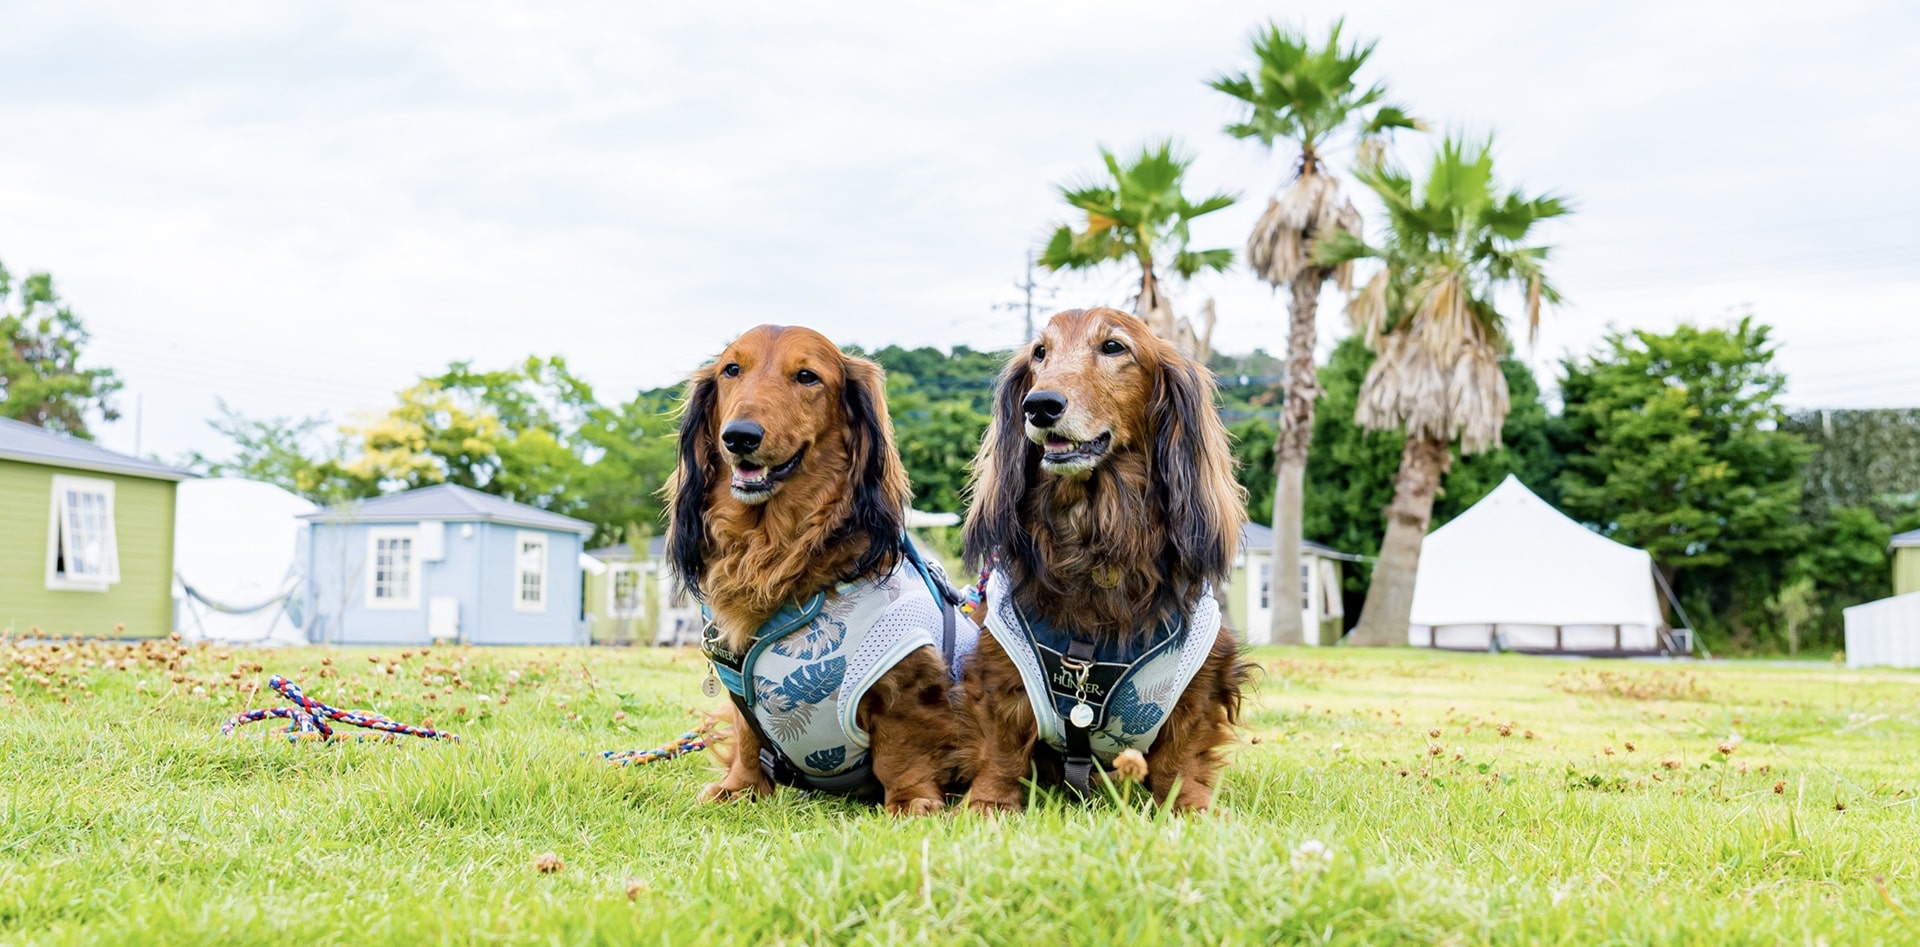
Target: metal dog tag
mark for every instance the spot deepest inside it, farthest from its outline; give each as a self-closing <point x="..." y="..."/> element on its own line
<point x="1080" y="716"/>
<point x="710" y="686"/>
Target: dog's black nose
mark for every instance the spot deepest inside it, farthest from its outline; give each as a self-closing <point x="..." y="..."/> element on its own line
<point x="742" y="437"/>
<point x="1044" y="408"/>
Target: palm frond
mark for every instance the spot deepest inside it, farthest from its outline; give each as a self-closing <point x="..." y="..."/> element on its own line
<point x="1430" y="314"/>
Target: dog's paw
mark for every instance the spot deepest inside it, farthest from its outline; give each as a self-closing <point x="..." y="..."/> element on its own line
<point x="727" y="792"/>
<point x="1129" y="766"/>
<point x="914" y="807"/>
<point x="992" y="807"/>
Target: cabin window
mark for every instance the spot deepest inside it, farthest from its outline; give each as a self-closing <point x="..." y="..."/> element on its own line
<point x="393" y="573"/>
<point x="625" y="592"/>
<point x="1306" y="583"/>
<point x="530" y="572"/>
<point x="83" y="553"/>
<point x="1266" y="584"/>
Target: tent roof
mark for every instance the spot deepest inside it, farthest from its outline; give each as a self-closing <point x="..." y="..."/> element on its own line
<point x="25" y="442"/>
<point x="1514" y="559"/>
<point x="1907" y="539"/>
<point x="449" y="502"/>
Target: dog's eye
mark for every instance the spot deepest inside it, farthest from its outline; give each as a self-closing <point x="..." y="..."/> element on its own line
<point x="1112" y="347"/>
<point x="806" y="376"/>
<point x="732" y="370"/>
<point x="1039" y="353"/>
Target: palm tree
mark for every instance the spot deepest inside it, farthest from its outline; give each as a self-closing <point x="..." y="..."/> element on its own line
<point x="1138" y="212"/>
<point x="1430" y="317"/>
<point x="1303" y="95"/>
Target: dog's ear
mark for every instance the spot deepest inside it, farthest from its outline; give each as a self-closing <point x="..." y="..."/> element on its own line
<point x="1000" y="471"/>
<point x="879" y="479"/>
<point x="1193" y="470"/>
<point x="687" y="489"/>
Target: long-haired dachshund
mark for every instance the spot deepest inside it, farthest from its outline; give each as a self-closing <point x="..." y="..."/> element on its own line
<point x="1104" y="503"/>
<point x="834" y="640"/>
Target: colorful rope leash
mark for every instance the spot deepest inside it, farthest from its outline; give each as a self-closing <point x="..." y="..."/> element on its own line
<point x="310" y="718"/>
<point x="976" y="595"/>
<point x="692" y="741"/>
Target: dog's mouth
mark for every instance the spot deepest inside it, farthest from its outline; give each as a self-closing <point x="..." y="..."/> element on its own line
<point x="1061" y="455"/>
<point x="754" y="483"/>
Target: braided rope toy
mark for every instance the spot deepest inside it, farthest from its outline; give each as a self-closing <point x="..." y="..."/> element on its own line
<point x="692" y="741"/>
<point x="310" y="718"/>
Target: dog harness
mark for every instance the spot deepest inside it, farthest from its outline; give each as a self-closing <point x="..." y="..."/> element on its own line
<point x="799" y="682"/>
<point x="1095" y="700"/>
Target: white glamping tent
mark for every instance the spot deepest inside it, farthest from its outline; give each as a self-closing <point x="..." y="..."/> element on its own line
<point x="1515" y="572"/>
<point x="236" y="570"/>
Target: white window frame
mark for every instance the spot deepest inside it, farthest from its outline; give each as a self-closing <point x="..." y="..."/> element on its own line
<point x="391" y="603"/>
<point x="521" y="539"/>
<point x="59" y="526"/>
<point x="1263" y="585"/>
<point x="614" y="572"/>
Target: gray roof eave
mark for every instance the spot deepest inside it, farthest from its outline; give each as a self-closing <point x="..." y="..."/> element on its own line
<point x="142" y="469"/>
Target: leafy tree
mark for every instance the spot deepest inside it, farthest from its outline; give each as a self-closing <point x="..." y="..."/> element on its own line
<point x="1139" y="213"/>
<point x="41" y="341"/>
<point x="1303" y="94"/>
<point x="937" y="439"/>
<point x="290" y="453"/>
<point x="631" y="451"/>
<point x="502" y="432"/>
<point x="1684" y="457"/>
<point x="1430" y="315"/>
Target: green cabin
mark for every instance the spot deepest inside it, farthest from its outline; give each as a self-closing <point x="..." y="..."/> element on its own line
<point x="86" y="537"/>
<point x="1906" y="563"/>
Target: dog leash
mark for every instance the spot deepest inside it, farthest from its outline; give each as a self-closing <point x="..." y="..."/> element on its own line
<point x="310" y="718"/>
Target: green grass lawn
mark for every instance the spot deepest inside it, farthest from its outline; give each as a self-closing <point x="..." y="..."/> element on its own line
<point x="1458" y="799"/>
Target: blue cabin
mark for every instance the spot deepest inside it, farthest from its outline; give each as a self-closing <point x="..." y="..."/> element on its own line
<point x="444" y="564"/>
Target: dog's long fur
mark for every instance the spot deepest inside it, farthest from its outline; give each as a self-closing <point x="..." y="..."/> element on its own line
<point x="1108" y="553"/>
<point x="836" y="518"/>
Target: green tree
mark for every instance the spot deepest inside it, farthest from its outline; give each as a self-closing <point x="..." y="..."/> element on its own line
<point x="293" y="454"/>
<point x="1684" y="457"/>
<point x="1139" y="213"/>
<point x="631" y="450"/>
<point x="503" y="432"/>
<point x="1431" y="317"/>
<point x="41" y="342"/>
<point x="1302" y="94"/>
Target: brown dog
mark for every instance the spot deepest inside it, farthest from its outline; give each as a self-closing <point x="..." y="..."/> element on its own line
<point x="823" y="626"/>
<point x="1104" y="502"/>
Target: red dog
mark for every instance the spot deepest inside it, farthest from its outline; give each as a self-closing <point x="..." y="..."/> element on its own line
<point x="824" y="626"/>
<point x="1104" y="502"/>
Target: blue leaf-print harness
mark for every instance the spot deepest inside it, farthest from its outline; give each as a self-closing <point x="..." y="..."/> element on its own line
<point x="1093" y="701"/>
<point x="800" y="680"/>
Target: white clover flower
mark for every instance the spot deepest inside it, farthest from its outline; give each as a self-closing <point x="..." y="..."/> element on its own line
<point x="1311" y="857"/>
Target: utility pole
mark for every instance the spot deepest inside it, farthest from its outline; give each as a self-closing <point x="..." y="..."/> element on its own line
<point x="1027" y="288"/>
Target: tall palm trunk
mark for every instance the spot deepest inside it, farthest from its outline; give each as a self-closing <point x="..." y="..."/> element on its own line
<point x="1389" y="608"/>
<point x="1290" y="460"/>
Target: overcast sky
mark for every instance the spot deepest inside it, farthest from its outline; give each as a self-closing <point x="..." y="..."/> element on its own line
<point x="301" y="207"/>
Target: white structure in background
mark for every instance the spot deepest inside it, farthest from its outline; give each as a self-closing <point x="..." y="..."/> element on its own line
<point x="1885" y="633"/>
<point x="237" y="573"/>
<point x="1513" y="570"/>
<point x="1251" y="606"/>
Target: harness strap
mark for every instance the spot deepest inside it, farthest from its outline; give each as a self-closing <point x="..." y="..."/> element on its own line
<point x="1079" y="759"/>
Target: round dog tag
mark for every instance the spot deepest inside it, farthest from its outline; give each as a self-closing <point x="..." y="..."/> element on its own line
<point x="710" y="686"/>
<point x="1080" y="716"/>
